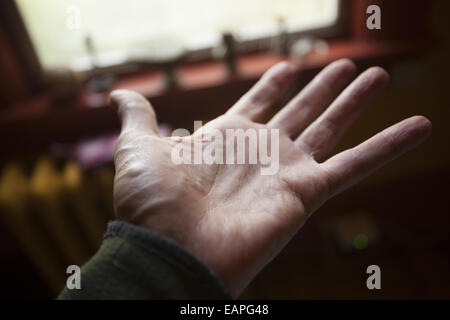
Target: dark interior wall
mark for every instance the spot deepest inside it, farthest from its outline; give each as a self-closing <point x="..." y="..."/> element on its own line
<point x="418" y="86"/>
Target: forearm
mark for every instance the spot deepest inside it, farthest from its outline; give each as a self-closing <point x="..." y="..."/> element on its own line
<point x="135" y="263"/>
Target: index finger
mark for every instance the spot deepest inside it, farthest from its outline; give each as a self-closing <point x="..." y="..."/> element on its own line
<point x="258" y="100"/>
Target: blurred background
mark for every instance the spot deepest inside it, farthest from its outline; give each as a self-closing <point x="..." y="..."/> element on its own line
<point x="193" y="60"/>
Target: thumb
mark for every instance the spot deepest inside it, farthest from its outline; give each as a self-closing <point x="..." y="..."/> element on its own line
<point x="135" y="112"/>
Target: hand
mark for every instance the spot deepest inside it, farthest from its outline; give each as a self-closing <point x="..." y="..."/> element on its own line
<point x="231" y="216"/>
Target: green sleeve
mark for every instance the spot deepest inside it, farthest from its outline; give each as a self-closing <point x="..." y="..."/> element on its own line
<point x="135" y="263"/>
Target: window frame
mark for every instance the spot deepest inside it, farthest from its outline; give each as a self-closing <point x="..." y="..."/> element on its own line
<point x="26" y="49"/>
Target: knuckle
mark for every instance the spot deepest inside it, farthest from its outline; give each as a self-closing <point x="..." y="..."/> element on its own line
<point x="388" y="141"/>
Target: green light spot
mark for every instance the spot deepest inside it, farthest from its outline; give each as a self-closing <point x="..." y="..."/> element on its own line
<point x="360" y="242"/>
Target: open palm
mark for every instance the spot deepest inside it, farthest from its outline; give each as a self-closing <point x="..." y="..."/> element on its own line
<point x="231" y="216"/>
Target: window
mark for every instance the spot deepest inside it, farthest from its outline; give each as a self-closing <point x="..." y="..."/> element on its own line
<point x="122" y="29"/>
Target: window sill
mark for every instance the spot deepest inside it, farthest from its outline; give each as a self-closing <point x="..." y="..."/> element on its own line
<point x="36" y="123"/>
